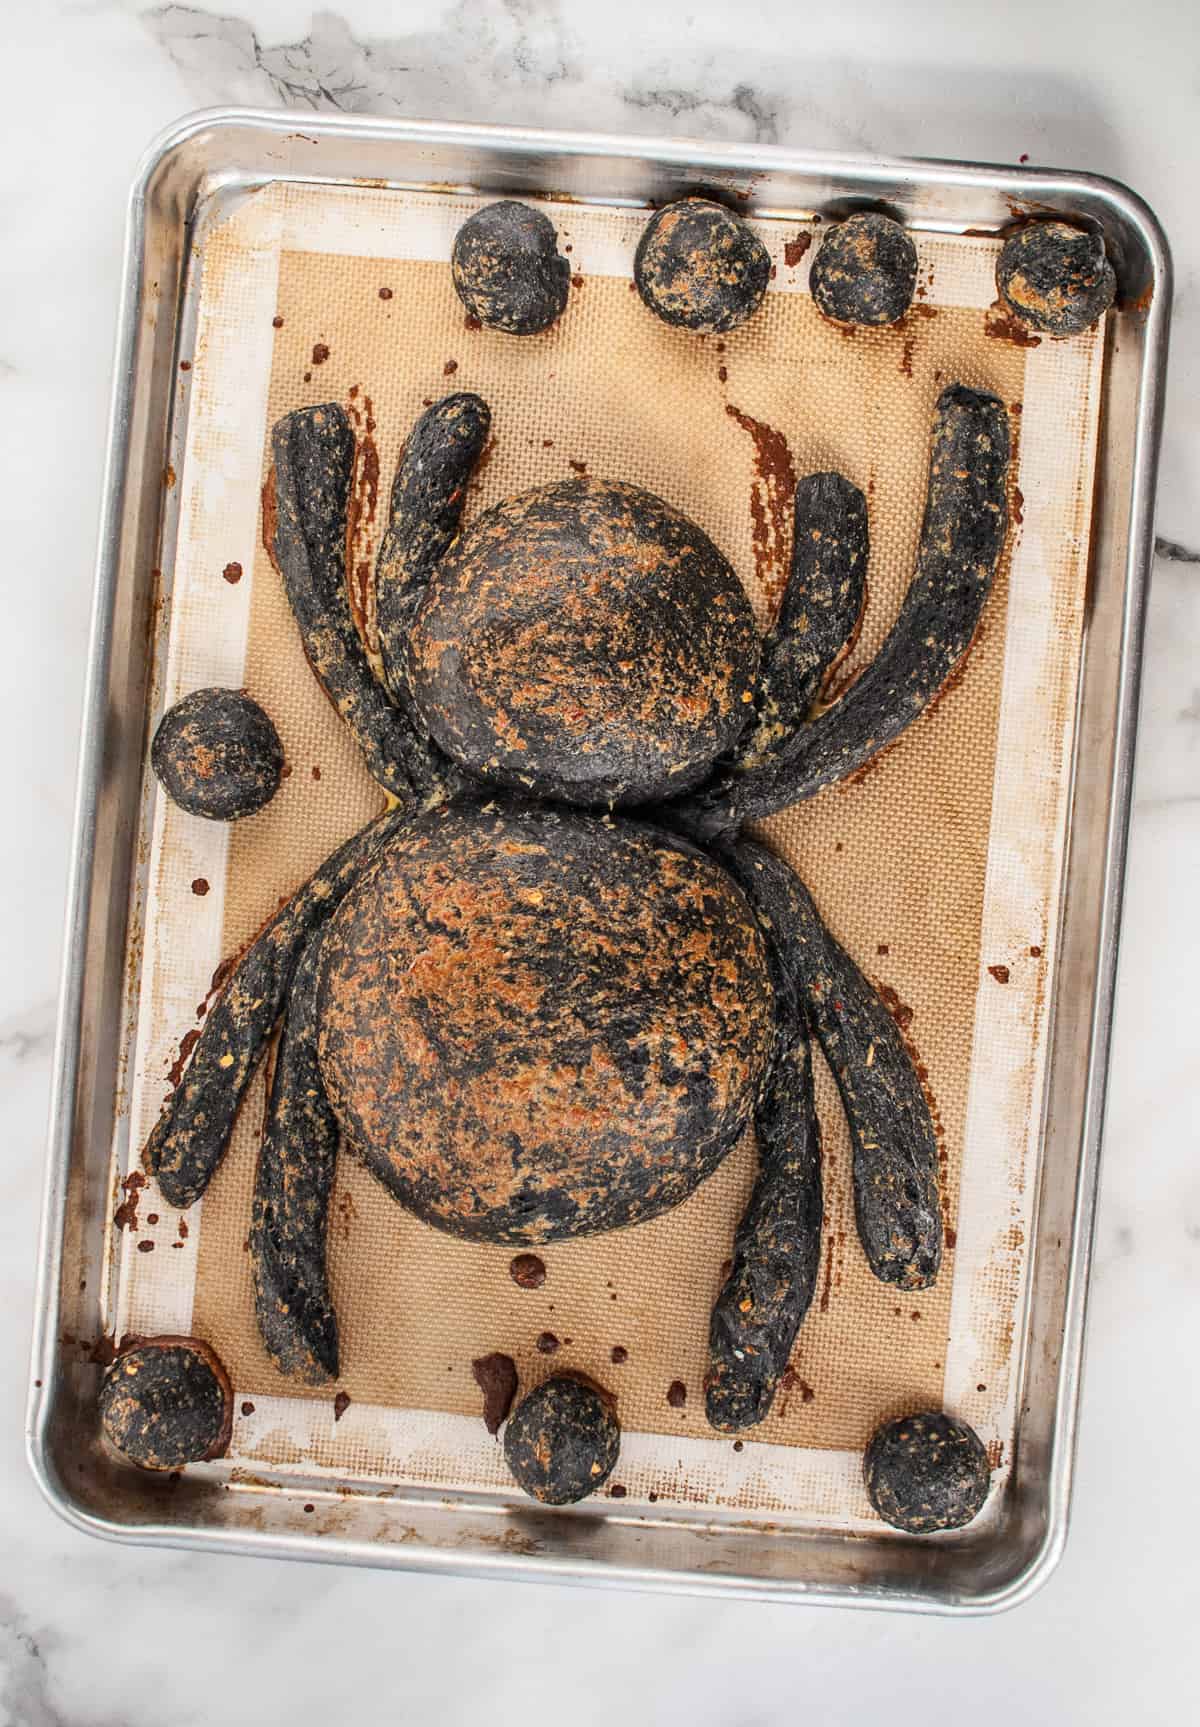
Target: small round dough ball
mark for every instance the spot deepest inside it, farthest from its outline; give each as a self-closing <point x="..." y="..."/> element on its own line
<point x="1056" y="278"/>
<point x="216" y="754"/>
<point x="926" y="1472"/>
<point x="167" y="1402"/>
<point x="508" y="271"/>
<point x="865" y="271"/>
<point x="700" y="266"/>
<point x="562" y="1441"/>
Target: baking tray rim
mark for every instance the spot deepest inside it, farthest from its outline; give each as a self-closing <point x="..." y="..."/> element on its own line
<point x="1023" y="186"/>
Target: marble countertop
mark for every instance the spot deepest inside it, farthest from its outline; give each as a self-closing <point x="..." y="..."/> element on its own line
<point x="92" y="1635"/>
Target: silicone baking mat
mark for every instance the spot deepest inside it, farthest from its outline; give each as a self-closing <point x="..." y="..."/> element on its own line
<point x="938" y="867"/>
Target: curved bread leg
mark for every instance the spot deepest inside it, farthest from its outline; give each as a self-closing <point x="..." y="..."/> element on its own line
<point x="427" y="503"/>
<point x="292" y="1186"/>
<point x="894" y="1149"/>
<point x="777" y="1247"/>
<point x="961" y="541"/>
<point x="314" y="458"/>
<point x="822" y="606"/>
<point x="190" y="1136"/>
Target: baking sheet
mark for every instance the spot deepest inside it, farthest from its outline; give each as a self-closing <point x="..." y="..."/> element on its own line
<point x="947" y="854"/>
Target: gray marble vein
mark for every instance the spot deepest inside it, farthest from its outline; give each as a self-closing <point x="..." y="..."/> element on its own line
<point x="520" y="53"/>
<point x="24" y="1675"/>
<point x="701" y="109"/>
<point x="1175" y="553"/>
<point x="332" y="68"/>
<point x="28" y="1037"/>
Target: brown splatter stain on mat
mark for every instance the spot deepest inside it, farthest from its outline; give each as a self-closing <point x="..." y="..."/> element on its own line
<point x="1004" y="326"/>
<point x="771" y="494"/>
<point x="496" y="1377"/>
<point x="187" y="1044"/>
<point x="527" y="1271"/>
<point x="126" y="1214"/>
<point x="900" y="1011"/>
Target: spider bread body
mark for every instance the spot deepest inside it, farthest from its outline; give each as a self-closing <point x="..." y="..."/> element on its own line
<point x="537" y="1023"/>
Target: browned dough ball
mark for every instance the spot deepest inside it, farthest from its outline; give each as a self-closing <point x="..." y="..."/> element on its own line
<point x="865" y="270"/>
<point x="926" y="1472"/>
<point x="507" y="269"/>
<point x="216" y="754"/>
<point x="167" y="1401"/>
<point x="562" y="1441"/>
<point x="1056" y="278"/>
<point x="701" y="267"/>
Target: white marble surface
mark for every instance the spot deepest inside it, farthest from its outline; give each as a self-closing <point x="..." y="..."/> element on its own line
<point x="92" y="1635"/>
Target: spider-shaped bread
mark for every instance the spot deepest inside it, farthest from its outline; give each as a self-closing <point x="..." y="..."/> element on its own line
<point x="544" y="993"/>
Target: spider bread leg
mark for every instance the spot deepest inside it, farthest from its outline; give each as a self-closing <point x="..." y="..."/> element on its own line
<point x="777" y="1246"/>
<point x="191" y="1134"/>
<point x="961" y="541"/>
<point x="894" y="1150"/>
<point x="426" y="507"/>
<point x="313" y="451"/>
<point x="822" y="606"/>
<point x="292" y="1187"/>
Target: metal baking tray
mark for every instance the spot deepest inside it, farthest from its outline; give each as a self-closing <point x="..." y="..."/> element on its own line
<point x="207" y="159"/>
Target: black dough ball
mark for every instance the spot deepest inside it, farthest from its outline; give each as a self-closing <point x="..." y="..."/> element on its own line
<point x="507" y="269"/>
<point x="926" y="1472"/>
<point x="216" y="754"/>
<point x="561" y="1442"/>
<point x="1056" y="278"/>
<point x="700" y="266"/>
<point x="167" y="1402"/>
<point x="865" y="271"/>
